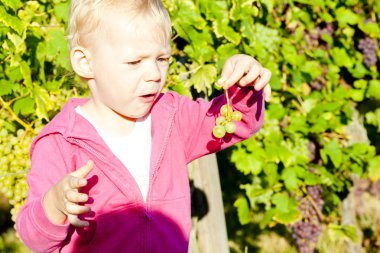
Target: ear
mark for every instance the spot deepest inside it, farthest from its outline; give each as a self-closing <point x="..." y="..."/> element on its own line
<point x="81" y="62"/>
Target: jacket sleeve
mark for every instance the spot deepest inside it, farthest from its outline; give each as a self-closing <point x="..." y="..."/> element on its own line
<point x="32" y="223"/>
<point x="196" y="120"/>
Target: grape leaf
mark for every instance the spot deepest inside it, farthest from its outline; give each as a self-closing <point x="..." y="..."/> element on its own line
<point x="222" y="29"/>
<point x="275" y="81"/>
<point x="41" y="99"/>
<point x="359" y="71"/>
<point x="26" y="74"/>
<point x="267" y="219"/>
<point x="243" y="210"/>
<point x="269" y="4"/>
<point x="215" y="10"/>
<point x="11" y="21"/>
<point x="341" y="58"/>
<point x="374" y="89"/>
<point x="24" y="106"/>
<point x="270" y="170"/>
<point x="247" y="164"/>
<point x="357" y="95"/>
<point x="290" y="178"/>
<point x="276" y="111"/>
<point x="281" y="201"/>
<point x="373" y="118"/>
<point x="374" y="169"/>
<point x="61" y="10"/>
<point x="313" y="68"/>
<point x="286" y="208"/>
<point x="333" y="151"/>
<point x="371" y="28"/>
<point x="6" y="87"/>
<point x="342" y="232"/>
<point x="310" y="178"/>
<point x="346" y="16"/>
<point x="287" y="217"/>
<point x="55" y="42"/>
<point x="18" y="42"/>
<point x="204" y="78"/>
<point x="13" y="4"/>
<point x="224" y="52"/>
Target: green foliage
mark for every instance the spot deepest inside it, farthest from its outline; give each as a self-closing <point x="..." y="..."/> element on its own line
<point x="35" y="81"/>
<point x="319" y="77"/>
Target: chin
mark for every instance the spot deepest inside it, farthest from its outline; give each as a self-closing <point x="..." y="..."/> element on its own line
<point x="136" y="116"/>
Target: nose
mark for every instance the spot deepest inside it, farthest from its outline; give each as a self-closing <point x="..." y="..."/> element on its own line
<point x="153" y="72"/>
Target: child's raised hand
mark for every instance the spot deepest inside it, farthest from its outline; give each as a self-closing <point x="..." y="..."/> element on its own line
<point x="62" y="200"/>
<point x="244" y="70"/>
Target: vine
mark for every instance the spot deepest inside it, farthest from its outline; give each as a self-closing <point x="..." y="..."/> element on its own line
<point x="322" y="125"/>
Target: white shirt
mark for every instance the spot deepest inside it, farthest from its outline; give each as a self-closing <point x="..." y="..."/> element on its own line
<point x="132" y="150"/>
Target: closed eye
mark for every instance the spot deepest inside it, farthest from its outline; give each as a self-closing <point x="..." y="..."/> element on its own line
<point x="163" y="59"/>
<point x="133" y="62"/>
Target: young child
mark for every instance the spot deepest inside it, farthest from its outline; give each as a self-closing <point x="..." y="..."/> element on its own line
<point x="109" y="173"/>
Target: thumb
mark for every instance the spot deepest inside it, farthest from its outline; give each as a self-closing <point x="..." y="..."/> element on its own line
<point x="83" y="171"/>
<point x="227" y="71"/>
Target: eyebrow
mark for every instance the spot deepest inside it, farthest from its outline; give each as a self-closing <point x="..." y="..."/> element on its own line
<point x="160" y="53"/>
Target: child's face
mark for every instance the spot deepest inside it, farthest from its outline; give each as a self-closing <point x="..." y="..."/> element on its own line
<point x="129" y="65"/>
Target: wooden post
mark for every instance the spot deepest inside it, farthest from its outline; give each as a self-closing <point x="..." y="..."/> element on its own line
<point x="209" y="230"/>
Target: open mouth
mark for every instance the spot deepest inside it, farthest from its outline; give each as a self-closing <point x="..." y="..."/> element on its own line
<point x="148" y="97"/>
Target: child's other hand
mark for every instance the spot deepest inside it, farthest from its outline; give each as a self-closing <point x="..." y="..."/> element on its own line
<point x="245" y="71"/>
<point x="63" y="199"/>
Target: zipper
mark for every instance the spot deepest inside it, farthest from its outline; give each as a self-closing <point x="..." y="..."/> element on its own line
<point x="148" y="217"/>
<point x="87" y="147"/>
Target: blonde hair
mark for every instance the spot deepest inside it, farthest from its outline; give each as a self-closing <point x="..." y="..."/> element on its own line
<point x="85" y="16"/>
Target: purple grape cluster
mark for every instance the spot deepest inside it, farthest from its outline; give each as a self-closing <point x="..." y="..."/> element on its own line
<point x="316" y="35"/>
<point x="315" y="192"/>
<point x="312" y="147"/>
<point x="368" y="48"/>
<point x="307" y="230"/>
<point x="328" y="29"/>
<point x="318" y="83"/>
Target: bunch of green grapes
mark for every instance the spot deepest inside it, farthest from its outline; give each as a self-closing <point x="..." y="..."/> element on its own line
<point x="225" y="123"/>
<point x="14" y="160"/>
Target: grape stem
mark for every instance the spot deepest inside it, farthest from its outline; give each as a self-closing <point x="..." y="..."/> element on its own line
<point x="319" y="213"/>
<point x="227" y="97"/>
<point x="228" y="104"/>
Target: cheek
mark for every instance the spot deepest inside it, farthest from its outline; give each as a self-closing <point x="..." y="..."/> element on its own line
<point x="163" y="80"/>
<point x="164" y="72"/>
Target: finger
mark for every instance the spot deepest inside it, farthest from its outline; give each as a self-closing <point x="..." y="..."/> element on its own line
<point x="228" y="69"/>
<point x="267" y="93"/>
<point x="264" y="79"/>
<point x="76" y="222"/>
<point x="75" y="196"/>
<point x="83" y="171"/>
<point x="233" y="77"/>
<point x="73" y="208"/>
<point x="76" y="182"/>
<point x="253" y="74"/>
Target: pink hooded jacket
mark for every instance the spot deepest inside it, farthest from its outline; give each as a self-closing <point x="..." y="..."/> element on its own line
<point x="121" y="221"/>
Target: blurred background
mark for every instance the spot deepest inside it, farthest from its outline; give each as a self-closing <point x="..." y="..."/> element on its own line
<point x="308" y="181"/>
